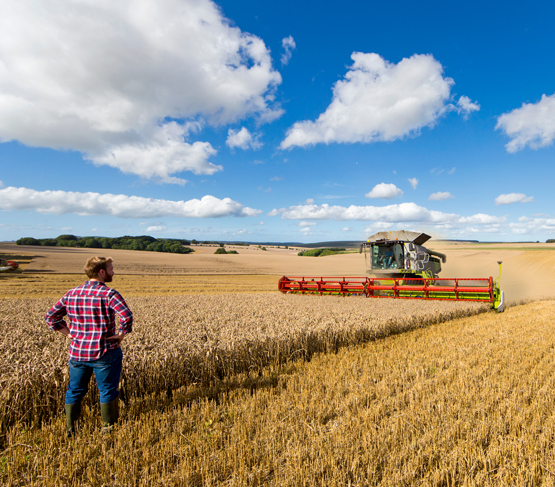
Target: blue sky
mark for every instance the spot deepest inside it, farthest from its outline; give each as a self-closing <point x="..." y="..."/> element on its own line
<point x="277" y="121"/>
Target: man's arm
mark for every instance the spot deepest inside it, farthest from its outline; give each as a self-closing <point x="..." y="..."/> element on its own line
<point x="119" y="305"/>
<point x="55" y="318"/>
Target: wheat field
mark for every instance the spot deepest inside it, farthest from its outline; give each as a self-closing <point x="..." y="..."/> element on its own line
<point x="184" y="340"/>
<point x="228" y="382"/>
<point x="465" y="402"/>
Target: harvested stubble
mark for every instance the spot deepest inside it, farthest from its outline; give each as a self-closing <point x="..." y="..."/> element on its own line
<point x="183" y="340"/>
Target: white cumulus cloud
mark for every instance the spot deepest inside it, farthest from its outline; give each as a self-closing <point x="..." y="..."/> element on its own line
<point x="481" y="219"/>
<point x="465" y="106"/>
<point x="242" y="139"/>
<point x="440" y="196"/>
<point x="532" y="226"/>
<point x="413" y="182"/>
<point x="156" y="228"/>
<point x="384" y="217"/>
<point x="378" y="101"/>
<point x="307" y="224"/>
<point x="384" y="191"/>
<point x="162" y="154"/>
<point x="288" y="44"/>
<point x="106" y="78"/>
<point x="119" y="205"/>
<point x="378" y="227"/>
<point x="508" y="199"/>
<point x="404" y="212"/>
<point x="531" y="125"/>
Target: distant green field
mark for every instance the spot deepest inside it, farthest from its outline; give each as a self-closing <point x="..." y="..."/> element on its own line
<point x="321" y="252"/>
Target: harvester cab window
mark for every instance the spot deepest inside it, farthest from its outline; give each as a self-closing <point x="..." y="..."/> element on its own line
<point x="384" y="256"/>
<point x="399" y="256"/>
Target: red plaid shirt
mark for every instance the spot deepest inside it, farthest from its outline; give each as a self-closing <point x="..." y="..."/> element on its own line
<point x="92" y="310"/>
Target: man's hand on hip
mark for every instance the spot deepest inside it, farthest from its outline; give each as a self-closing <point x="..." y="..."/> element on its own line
<point x="118" y="336"/>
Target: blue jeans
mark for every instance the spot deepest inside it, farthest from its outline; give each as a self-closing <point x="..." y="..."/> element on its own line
<point x="107" y="371"/>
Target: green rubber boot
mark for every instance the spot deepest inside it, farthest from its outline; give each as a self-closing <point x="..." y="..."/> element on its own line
<point x="110" y="414"/>
<point x="73" y="412"/>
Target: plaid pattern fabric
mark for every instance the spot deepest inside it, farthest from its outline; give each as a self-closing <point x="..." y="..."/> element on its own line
<point x="92" y="310"/>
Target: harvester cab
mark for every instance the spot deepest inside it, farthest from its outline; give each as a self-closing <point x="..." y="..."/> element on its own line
<point x="401" y="254"/>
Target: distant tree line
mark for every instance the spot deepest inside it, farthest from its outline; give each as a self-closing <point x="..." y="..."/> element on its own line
<point x="145" y="242"/>
<point x="550" y="240"/>
<point x="214" y="242"/>
<point x="221" y="250"/>
<point x="321" y="252"/>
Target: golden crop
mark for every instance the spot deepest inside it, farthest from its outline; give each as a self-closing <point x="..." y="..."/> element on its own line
<point x="468" y="402"/>
<point x="183" y="340"/>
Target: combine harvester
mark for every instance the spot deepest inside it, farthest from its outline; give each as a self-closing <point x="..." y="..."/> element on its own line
<point x="8" y="265"/>
<point x="400" y="267"/>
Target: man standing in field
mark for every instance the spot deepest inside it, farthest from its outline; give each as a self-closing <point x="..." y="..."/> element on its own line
<point x="95" y="345"/>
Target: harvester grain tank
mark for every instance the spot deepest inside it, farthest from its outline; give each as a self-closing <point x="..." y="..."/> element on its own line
<point x="400" y="267"/>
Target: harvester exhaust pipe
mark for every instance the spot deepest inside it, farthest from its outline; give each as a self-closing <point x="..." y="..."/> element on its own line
<point x="443" y="257"/>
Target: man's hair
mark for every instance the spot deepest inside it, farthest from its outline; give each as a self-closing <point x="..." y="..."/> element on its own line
<point x="95" y="264"/>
